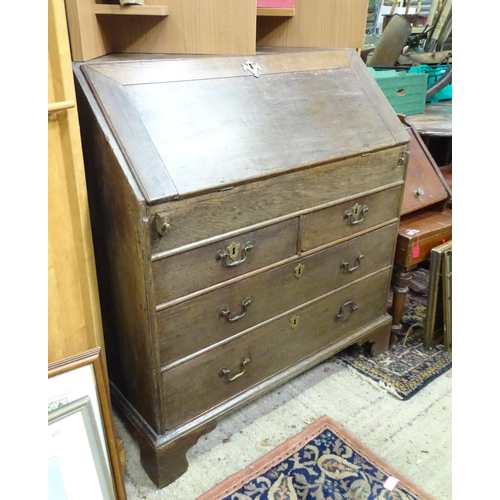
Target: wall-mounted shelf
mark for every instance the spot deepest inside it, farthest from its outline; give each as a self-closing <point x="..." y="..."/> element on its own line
<point x="275" y="12"/>
<point x="132" y="10"/>
<point x="235" y="28"/>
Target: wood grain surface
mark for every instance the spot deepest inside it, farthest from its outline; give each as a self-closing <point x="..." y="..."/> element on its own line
<point x="272" y="293"/>
<point x="329" y="224"/>
<point x="197" y="385"/>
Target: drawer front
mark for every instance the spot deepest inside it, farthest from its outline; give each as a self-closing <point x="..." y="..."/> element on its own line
<point x="330" y="224"/>
<point x="194" y="270"/>
<point x="202" y="383"/>
<point x="220" y="314"/>
<point x="205" y="216"/>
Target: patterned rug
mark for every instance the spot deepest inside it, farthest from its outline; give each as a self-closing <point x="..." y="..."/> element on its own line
<point x="324" y="461"/>
<point x="406" y="367"/>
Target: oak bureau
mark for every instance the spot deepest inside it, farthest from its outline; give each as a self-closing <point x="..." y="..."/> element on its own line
<point x="244" y="215"/>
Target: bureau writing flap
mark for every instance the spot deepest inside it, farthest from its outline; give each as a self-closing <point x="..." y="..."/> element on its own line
<point x="193" y="125"/>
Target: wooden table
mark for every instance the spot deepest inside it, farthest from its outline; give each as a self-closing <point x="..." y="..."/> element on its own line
<point x="435" y="121"/>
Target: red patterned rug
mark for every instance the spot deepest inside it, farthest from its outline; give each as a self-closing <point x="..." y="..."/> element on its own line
<point x="323" y="461"/>
<point x="406" y="367"/>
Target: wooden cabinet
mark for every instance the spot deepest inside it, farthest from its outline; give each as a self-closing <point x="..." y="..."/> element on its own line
<point x="426" y="186"/>
<point x="226" y="27"/>
<point x="244" y="225"/>
<point x="426" y="219"/>
<point x="74" y="313"/>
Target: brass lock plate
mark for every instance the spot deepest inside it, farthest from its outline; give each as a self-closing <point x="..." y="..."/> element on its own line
<point x="299" y="270"/>
<point x="356" y="210"/>
<point x="233" y="250"/>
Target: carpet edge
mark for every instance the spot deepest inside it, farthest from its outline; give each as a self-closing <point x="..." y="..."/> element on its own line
<point x="290" y="445"/>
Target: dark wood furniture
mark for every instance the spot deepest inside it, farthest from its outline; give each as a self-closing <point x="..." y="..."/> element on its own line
<point x="426" y="220"/>
<point x="245" y="215"/>
<point x="434" y="126"/>
<point x="435" y="121"/>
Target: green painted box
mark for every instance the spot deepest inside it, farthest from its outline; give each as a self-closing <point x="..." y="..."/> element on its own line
<point x="405" y="91"/>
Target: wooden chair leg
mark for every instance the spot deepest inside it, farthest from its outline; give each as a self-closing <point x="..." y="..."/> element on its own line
<point x="400" y="281"/>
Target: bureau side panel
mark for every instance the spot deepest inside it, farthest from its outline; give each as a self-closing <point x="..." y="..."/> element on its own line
<point x="121" y="241"/>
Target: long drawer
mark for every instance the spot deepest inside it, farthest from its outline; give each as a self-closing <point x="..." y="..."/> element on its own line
<point x="194" y="270"/>
<point x="327" y="225"/>
<point x="202" y="383"/>
<point x="220" y="314"/>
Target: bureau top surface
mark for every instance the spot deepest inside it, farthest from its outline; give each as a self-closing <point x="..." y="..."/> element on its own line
<point x="194" y="125"/>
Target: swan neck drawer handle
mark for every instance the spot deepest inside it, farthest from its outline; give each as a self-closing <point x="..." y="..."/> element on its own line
<point x="225" y="312"/>
<point x="349" y="303"/>
<point x="226" y="372"/>
<point x="345" y="265"/>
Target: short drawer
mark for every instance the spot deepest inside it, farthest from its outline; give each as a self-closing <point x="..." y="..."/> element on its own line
<point x="203" y="382"/>
<point x="194" y="270"/>
<point x="220" y="314"/>
<point x="330" y="224"/>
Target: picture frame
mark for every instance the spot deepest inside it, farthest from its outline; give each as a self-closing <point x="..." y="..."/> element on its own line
<point x="437" y="324"/>
<point x="75" y="452"/>
<point x="84" y="376"/>
<point x="447" y="297"/>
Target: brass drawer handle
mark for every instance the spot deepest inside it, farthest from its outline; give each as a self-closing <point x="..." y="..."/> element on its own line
<point x="228" y="257"/>
<point x="356" y="214"/>
<point x="350" y="303"/>
<point x="226" y="372"/>
<point x="345" y="265"/>
<point x="225" y="312"/>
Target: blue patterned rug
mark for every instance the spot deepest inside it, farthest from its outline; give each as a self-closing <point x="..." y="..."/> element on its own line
<point x="324" y="461"/>
<point x="406" y="367"/>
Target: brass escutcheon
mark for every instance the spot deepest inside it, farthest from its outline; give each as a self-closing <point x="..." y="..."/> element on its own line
<point x="233" y="250"/>
<point x="299" y="270"/>
<point x="294" y="321"/>
<point x="229" y="257"/>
